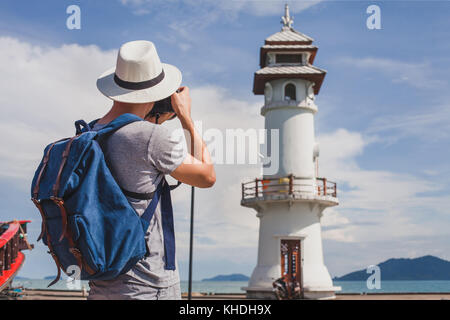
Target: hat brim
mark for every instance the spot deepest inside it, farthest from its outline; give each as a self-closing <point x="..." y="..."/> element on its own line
<point x="170" y="84"/>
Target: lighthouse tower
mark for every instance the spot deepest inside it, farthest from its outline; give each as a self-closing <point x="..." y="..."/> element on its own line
<point x="290" y="202"/>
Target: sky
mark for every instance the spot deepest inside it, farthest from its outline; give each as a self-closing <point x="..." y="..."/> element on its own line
<point x="383" y="122"/>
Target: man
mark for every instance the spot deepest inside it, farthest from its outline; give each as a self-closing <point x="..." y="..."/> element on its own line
<point x="141" y="153"/>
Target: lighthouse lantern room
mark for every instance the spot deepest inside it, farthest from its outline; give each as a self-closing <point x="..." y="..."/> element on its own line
<point x="290" y="202"/>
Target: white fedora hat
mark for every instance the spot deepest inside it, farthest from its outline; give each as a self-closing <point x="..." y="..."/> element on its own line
<point x="139" y="76"/>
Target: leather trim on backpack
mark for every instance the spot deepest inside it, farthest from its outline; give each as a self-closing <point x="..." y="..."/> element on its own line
<point x="65" y="233"/>
<point x="36" y="189"/>
<point x="37" y="203"/>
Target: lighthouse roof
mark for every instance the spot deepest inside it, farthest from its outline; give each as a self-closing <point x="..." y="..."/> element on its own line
<point x="289" y="36"/>
<point x="287" y="46"/>
<point x="306" y="72"/>
<point x="291" y="70"/>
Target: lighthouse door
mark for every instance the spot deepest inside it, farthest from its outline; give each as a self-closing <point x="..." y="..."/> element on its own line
<point x="291" y="267"/>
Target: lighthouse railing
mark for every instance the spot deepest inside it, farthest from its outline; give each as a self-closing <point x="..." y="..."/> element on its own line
<point x="288" y="185"/>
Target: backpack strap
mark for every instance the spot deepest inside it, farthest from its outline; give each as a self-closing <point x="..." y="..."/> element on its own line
<point x="146" y="196"/>
<point x="81" y="126"/>
<point x="168" y="227"/>
<point x="176" y="185"/>
<point x="59" y="201"/>
<point x="162" y="193"/>
<point x="116" y="124"/>
<point x="139" y="196"/>
<point x="149" y="212"/>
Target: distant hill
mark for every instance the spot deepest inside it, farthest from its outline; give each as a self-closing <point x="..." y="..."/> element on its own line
<point x="54" y="277"/>
<point x="21" y="278"/>
<point x="423" y="268"/>
<point x="229" y="277"/>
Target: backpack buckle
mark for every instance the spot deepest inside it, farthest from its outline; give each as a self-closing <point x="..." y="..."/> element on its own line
<point x="75" y="251"/>
<point x="57" y="200"/>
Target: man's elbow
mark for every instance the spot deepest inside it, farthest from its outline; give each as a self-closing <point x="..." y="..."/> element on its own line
<point x="209" y="180"/>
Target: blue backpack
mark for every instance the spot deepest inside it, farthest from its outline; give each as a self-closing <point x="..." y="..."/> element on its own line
<point x="87" y="220"/>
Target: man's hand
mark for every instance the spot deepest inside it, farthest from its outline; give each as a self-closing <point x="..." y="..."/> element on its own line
<point x="181" y="103"/>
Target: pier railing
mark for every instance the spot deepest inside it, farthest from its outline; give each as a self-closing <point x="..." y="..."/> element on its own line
<point x="290" y="185"/>
<point x="12" y="240"/>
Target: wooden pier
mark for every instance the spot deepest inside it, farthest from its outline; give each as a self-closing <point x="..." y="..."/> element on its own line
<point x="39" y="294"/>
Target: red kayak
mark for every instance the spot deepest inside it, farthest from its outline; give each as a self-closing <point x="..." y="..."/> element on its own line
<point x="13" y="239"/>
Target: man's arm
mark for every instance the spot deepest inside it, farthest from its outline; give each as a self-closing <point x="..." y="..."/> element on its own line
<point x="197" y="169"/>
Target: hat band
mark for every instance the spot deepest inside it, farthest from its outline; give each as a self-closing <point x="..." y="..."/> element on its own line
<point x="139" y="85"/>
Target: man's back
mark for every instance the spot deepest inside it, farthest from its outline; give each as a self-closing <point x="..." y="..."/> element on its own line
<point x="139" y="155"/>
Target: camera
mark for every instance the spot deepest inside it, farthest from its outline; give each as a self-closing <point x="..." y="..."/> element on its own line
<point x="160" y="107"/>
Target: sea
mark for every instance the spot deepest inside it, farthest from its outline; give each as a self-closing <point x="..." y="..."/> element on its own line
<point x="236" y="286"/>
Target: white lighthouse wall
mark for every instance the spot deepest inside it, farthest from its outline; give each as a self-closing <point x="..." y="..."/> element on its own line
<point x="295" y="122"/>
<point x="298" y="221"/>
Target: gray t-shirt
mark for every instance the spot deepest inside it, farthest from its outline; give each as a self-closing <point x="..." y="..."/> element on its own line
<point x="139" y="155"/>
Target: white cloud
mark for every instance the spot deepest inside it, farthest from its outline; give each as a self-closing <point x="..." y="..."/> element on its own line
<point x="416" y="74"/>
<point x="375" y="204"/>
<point x="342" y="145"/>
<point x="429" y="121"/>
<point x="382" y="214"/>
<point x="430" y="124"/>
<point x="44" y="90"/>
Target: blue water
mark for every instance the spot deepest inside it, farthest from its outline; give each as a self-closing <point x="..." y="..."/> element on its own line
<point x="394" y="286"/>
<point x="235" y="286"/>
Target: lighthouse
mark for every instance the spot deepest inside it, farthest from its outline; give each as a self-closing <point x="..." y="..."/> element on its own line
<point x="291" y="201"/>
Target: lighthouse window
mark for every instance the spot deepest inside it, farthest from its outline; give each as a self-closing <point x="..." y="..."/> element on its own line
<point x="289" y="92"/>
<point x="288" y="58"/>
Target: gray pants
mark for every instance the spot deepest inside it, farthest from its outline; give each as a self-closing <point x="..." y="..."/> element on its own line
<point x="133" y="291"/>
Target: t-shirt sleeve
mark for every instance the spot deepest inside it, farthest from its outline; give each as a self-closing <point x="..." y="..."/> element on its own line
<point x="166" y="150"/>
